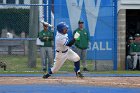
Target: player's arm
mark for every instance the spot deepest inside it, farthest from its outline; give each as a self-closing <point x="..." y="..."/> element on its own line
<point x="51" y="36"/>
<point x="71" y="42"/>
<point x="41" y="37"/>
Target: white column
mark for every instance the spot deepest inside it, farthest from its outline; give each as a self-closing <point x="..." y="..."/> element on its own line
<point x="121" y="38"/>
<point x="4" y="1"/>
<point x="27" y="1"/>
<point x="17" y="1"/>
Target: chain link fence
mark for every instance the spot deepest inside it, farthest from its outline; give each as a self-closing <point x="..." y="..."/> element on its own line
<point x="18" y="37"/>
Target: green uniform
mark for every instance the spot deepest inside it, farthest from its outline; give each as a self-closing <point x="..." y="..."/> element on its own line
<point x="49" y="34"/>
<point x="134" y="47"/>
<point x="46" y="50"/>
<point x="83" y="41"/>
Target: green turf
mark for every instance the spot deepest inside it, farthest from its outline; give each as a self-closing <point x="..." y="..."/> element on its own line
<point x="18" y="64"/>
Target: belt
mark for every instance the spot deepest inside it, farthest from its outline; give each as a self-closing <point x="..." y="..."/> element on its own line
<point x="62" y="51"/>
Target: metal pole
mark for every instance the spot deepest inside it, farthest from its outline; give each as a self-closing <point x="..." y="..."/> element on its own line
<point x="49" y="10"/>
<point x="115" y="35"/>
<point x="45" y="10"/>
<point x="33" y="31"/>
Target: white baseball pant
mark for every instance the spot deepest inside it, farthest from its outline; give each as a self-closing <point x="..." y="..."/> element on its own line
<point x="60" y="58"/>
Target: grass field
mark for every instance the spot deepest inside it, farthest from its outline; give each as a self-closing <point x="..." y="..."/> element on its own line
<point x="18" y="64"/>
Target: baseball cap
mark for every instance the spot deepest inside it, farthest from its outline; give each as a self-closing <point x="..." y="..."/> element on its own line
<point x="46" y="24"/>
<point x="130" y="38"/>
<point x="137" y="35"/>
<point x="80" y="22"/>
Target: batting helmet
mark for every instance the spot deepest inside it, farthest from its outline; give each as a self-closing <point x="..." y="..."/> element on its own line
<point x="61" y="26"/>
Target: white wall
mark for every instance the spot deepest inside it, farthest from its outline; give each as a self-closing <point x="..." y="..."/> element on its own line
<point x="128" y="4"/>
<point x="17" y="1"/>
<point x="27" y="1"/>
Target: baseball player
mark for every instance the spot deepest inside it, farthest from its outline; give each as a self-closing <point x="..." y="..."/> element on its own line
<point x="63" y="51"/>
<point x="135" y="50"/>
<point x="82" y="43"/>
<point x="46" y="50"/>
<point x="129" y="58"/>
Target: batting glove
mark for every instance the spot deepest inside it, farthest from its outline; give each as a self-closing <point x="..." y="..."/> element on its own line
<point x="76" y="36"/>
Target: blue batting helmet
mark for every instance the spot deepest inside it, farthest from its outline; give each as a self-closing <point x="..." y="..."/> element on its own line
<point x="61" y="26"/>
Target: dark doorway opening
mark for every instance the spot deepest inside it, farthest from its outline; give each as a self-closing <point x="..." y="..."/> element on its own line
<point x="132" y="22"/>
<point x="132" y="27"/>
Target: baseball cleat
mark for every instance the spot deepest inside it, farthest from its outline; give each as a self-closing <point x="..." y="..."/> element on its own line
<point x="79" y="74"/>
<point x="46" y="76"/>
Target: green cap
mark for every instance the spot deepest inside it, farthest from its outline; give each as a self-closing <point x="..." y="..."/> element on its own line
<point x="80" y="22"/>
<point x="131" y="38"/>
<point x="137" y="35"/>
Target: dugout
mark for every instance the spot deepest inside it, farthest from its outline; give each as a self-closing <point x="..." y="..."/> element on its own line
<point x="128" y="24"/>
<point x="132" y="25"/>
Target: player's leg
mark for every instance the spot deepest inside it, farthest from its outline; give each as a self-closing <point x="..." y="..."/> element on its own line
<point x="129" y="62"/>
<point x="135" y="61"/>
<point x="72" y="56"/>
<point x="83" y="58"/>
<point x="139" y="63"/>
<point x="78" y="51"/>
<point x="59" y="60"/>
<point x="43" y="58"/>
<point x="50" y="57"/>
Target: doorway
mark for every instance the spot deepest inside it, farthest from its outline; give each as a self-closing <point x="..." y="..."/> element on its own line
<point x="132" y="26"/>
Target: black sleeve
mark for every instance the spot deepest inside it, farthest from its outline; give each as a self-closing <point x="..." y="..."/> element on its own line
<point x="70" y="43"/>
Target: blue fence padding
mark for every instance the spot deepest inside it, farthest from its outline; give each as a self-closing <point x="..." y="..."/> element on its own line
<point x="99" y="18"/>
<point x="115" y="35"/>
<point x="45" y="10"/>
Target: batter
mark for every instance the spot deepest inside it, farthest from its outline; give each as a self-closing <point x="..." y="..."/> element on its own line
<point x="63" y="51"/>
